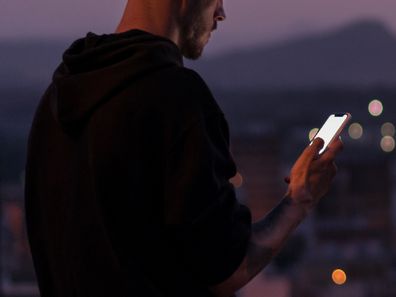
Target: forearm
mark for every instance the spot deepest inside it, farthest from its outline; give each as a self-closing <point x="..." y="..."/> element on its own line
<point x="310" y="179"/>
<point x="268" y="236"/>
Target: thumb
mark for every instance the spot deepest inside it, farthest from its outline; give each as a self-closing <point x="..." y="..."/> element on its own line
<point x="317" y="144"/>
<point x="309" y="154"/>
<point x="312" y="151"/>
<point x="315" y="148"/>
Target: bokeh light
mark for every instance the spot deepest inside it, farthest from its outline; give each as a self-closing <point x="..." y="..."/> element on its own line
<point x="388" y="144"/>
<point x="312" y="133"/>
<point x="237" y="180"/>
<point x="375" y="108"/>
<point x="355" y="131"/>
<point x="388" y="129"/>
<point x="339" y="277"/>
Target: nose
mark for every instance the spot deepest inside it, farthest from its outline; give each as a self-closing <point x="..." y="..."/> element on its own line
<point x="220" y="13"/>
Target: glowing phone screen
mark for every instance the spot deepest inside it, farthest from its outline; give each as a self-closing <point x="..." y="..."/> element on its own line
<point x="330" y="129"/>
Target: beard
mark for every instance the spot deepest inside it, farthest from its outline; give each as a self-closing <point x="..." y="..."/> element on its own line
<point x="193" y="30"/>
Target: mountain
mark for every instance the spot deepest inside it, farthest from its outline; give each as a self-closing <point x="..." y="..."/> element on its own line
<point x="29" y="62"/>
<point x="359" y="54"/>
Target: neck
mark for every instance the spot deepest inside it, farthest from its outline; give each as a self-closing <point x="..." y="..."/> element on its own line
<point x="152" y="17"/>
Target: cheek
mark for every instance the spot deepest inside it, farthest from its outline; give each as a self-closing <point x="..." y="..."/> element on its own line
<point x="209" y="14"/>
<point x="209" y="21"/>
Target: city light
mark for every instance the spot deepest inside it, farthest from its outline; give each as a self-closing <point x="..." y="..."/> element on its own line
<point x="388" y="129"/>
<point x="375" y="108"/>
<point x="355" y="131"/>
<point x="312" y="133"/>
<point x="339" y="277"/>
<point x="388" y="144"/>
<point x="237" y="180"/>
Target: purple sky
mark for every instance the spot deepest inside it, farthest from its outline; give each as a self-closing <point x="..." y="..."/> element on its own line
<point x="249" y="21"/>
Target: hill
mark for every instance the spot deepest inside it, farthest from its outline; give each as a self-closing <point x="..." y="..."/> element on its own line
<point x="359" y="54"/>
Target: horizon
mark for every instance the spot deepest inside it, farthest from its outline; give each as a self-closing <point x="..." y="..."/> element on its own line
<point x="249" y="22"/>
<point x="45" y="55"/>
<point x="213" y="49"/>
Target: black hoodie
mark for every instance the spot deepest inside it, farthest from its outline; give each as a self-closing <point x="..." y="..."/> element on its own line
<point x="127" y="176"/>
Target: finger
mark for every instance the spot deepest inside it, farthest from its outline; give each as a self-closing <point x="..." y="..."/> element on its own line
<point x="305" y="159"/>
<point x="329" y="171"/>
<point x="333" y="170"/>
<point x="337" y="145"/>
<point x="333" y="150"/>
<point x="317" y="144"/>
<point x="312" y="151"/>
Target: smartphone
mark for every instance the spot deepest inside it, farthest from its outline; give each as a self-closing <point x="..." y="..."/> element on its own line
<point x="332" y="128"/>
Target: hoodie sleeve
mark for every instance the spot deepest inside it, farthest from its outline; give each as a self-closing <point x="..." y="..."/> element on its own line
<point x="214" y="228"/>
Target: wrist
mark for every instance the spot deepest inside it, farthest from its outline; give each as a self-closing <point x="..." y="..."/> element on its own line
<point x="296" y="208"/>
<point x="273" y="229"/>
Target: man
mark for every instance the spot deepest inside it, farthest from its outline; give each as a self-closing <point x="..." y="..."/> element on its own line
<point x="127" y="178"/>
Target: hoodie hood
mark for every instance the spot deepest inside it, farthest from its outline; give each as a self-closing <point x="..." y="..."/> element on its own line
<point x="96" y="67"/>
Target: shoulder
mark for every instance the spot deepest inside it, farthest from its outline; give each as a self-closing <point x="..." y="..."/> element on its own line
<point x="184" y="87"/>
<point x="192" y="81"/>
<point x="179" y="95"/>
<point x="177" y="75"/>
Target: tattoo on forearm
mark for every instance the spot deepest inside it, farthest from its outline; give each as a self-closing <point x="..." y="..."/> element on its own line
<point x="260" y="256"/>
<point x="267" y="224"/>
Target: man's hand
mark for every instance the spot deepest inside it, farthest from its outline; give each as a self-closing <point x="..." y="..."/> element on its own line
<point x="309" y="180"/>
<point x="312" y="174"/>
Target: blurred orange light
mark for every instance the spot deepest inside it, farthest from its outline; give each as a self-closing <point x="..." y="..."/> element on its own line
<point x="388" y="129"/>
<point x="312" y="133"/>
<point x="375" y="108"/>
<point x="237" y="180"/>
<point x="388" y="144"/>
<point x="355" y="131"/>
<point x="339" y="277"/>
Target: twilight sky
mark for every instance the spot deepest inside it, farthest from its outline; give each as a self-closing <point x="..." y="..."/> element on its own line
<point x="249" y="21"/>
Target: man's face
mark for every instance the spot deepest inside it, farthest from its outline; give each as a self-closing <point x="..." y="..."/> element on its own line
<point x="198" y="23"/>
